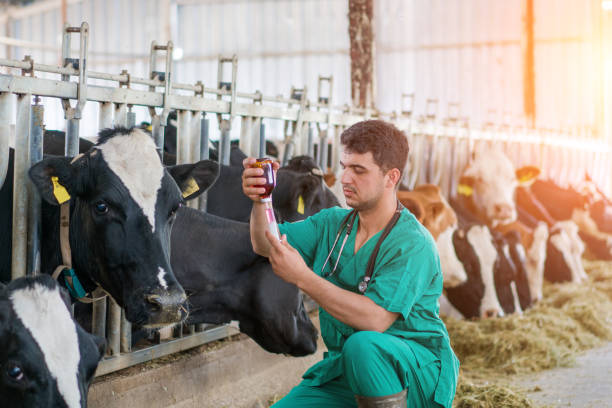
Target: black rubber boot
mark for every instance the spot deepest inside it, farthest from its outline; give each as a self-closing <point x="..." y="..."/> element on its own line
<point x="386" y="401"/>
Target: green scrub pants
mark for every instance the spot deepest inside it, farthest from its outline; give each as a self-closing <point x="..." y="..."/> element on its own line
<point x="374" y="364"/>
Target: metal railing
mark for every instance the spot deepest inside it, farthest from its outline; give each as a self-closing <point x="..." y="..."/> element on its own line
<point x="438" y="152"/>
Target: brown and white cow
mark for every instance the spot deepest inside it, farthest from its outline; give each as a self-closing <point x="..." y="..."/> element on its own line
<point x="431" y="209"/>
<point x="487" y="190"/>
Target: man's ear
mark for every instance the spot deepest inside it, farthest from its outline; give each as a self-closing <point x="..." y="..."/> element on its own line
<point x="55" y="179"/>
<point x="394" y="176"/>
<point x="194" y="179"/>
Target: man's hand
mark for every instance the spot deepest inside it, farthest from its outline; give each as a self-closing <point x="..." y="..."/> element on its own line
<point x="286" y="261"/>
<point x="251" y="177"/>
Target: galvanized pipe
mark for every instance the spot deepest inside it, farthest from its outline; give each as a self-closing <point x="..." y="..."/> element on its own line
<point x="131" y="119"/>
<point x="126" y="334"/>
<point x="245" y="134"/>
<point x="157" y="131"/>
<point x="310" y="144"/>
<point x="5" y="133"/>
<point x="20" y="186"/>
<point x="183" y="137"/>
<point x="34" y="204"/>
<point x="105" y="115"/>
<point x="224" y="142"/>
<point x="105" y="120"/>
<point x="114" y="329"/>
<point x="254" y="143"/>
<point x="120" y="118"/>
<point x="323" y="150"/>
<point x="204" y="154"/>
<point x="262" y="140"/>
<point x="195" y="137"/>
<point x="71" y="148"/>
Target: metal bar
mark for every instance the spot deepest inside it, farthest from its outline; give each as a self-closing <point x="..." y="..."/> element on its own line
<point x="131" y="118"/>
<point x="224" y="143"/>
<point x="34" y="220"/>
<point x="126" y="334"/>
<point x="183" y="137"/>
<point x="98" y="324"/>
<point x="71" y="148"/>
<point x="195" y="137"/>
<point x="108" y="365"/>
<point x="120" y="118"/>
<point x="5" y="133"/>
<point x="254" y="143"/>
<point x="20" y="183"/>
<point x="310" y="143"/>
<point x="105" y="115"/>
<point x="114" y="329"/>
<point x="204" y="155"/>
<point x="245" y="134"/>
<point x="157" y="131"/>
<point x="262" y="140"/>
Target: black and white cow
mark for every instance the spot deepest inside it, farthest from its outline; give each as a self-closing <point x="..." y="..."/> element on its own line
<point x="46" y="359"/>
<point x="297" y="195"/>
<point x="122" y="205"/>
<point x="213" y="260"/>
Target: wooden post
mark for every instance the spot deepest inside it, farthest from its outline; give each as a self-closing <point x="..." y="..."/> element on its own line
<point x="528" y="64"/>
<point x="361" y="33"/>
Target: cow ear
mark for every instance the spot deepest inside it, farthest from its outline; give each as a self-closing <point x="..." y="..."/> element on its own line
<point x="55" y="179"/>
<point x="194" y="179"/>
<point x="414" y="207"/>
<point x="526" y="175"/>
<point x="434" y="210"/>
<point x="466" y="185"/>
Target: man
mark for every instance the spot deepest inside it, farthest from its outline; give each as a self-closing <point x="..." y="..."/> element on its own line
<point x="387" y="346"/>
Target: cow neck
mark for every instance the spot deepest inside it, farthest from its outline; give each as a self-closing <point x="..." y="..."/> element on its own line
<point x="467" y="202"/>
<point x="70" y="279"/>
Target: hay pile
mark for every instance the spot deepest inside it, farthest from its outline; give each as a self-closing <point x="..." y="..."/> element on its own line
<point x="570" y="318"/>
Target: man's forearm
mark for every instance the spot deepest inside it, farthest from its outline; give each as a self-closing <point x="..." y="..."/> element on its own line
<point x="357" y="311"/>
<point x="257" y="226"/>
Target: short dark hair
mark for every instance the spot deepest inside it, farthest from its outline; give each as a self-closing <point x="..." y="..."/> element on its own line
<point x="388" y="144"/>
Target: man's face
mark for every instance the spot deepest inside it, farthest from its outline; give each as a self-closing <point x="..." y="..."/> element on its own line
<point x="363" y="182"/>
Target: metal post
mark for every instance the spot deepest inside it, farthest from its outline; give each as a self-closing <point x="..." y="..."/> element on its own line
<point x="126" y="334"/>
<point x="131" y="118"/>
<point x="157" y="131"/>
<point x="204" y="155"/>
<point x="245" y="134"/>
<point x="262" y="140"/>
<point x="224" y="143"/>
<point x="71" y="146"/>
<point x="323" y="150"/>
<point x="5" y="132"/>
<point x="255" y="129"/>
<point x="120" y="118"/>
<point x="183" y="137"/>
<point x="114" y="327"/>
<point x="20" y="190"/>
<point x="195" y="137"/>
<point x="105" y="115"/>
<point x="310" y="144"/>
<point x="34" y="220"/>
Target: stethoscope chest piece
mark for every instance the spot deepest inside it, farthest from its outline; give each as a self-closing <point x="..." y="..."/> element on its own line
<point x="363" y="285"/>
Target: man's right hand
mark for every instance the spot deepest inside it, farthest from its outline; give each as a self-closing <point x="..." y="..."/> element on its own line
<point x="251" y="177"/>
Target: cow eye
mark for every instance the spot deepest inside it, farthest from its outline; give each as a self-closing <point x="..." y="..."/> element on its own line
<point x="101" y="208"/>
<point x="15" y="372"/>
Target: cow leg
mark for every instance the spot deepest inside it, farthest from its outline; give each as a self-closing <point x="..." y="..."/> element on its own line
<point x="536" y="257"/>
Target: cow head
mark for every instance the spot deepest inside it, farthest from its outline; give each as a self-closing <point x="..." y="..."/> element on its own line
<point x="490" y="182"/>
<point x="47" y="360"/>
<point x="123" y="203"/>
<point x="301" y="194"/>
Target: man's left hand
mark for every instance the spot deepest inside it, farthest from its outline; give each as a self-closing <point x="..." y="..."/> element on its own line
<point x="286" y="261"/>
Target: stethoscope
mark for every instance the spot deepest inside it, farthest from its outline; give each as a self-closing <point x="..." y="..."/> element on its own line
<point x="348" y="222"/>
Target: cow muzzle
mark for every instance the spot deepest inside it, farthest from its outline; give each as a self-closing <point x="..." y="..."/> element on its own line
<point x="166" y="307"/>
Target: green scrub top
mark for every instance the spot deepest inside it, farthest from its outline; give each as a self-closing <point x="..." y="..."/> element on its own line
<point x="406" y="280"/>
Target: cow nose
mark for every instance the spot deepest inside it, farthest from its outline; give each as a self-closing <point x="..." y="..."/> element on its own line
<point x="166" y="308"/>
<point x="490" y="313"/>
<point x="502" y="210"/>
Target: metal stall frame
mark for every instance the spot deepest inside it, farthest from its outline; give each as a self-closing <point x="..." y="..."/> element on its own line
<point x="119" y="97"/>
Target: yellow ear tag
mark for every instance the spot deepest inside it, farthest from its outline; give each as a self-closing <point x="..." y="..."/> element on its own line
<point x="190" y="188"/>
<point x="59" y="191"/>
<point x="150" y="128"/>
<point x="300" y="208"/>
<point x="465" y="190"/>
<point x="527" y="175"/>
